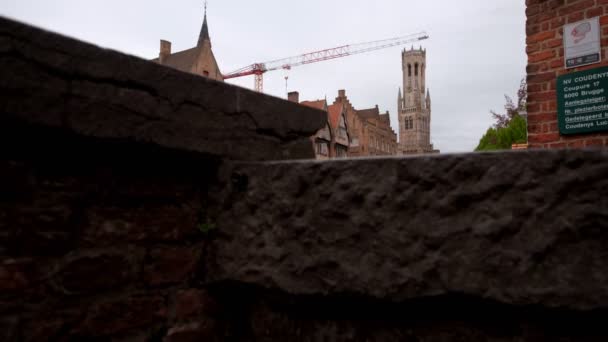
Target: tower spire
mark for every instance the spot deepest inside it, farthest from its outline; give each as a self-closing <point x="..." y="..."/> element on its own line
<point x="205" y="29"/>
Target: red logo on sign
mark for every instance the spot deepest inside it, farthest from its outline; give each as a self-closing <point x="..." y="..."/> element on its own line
<point x="580" y="32"/>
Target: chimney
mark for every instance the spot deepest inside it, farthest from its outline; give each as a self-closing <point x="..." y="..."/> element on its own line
<point x="342" y="93"/>
<point x="165" y="51"/>
<point x="294" y="96"/>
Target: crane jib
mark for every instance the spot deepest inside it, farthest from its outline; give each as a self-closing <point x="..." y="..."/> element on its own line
<point x="258" y="69"/>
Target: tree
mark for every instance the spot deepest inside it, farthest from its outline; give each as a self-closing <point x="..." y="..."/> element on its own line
<point x="510" y="128"/>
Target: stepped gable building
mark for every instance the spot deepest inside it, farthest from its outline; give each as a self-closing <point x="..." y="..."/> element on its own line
<point x="414" y="106"/>
<point x="332" y="141"/>
<point x="197" y="60"/>
<point x="370" y="132"/>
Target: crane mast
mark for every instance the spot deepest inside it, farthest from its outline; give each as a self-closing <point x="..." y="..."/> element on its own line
<point x="259" y="69"/>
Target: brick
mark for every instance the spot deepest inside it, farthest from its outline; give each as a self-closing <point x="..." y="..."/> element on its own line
<point x="541" y="117"/>
<point x="16" y="275"/>
<point x="194" y="303"/>
<point x="108" y="225"/>
<point x="168" y="265"/>
<point x="534" y="88"/>
<point x="42" y="228"/>
<point x="557" y="145"/>
<point x="554" y="43"/>
<point x="558" y="23"/>
<point x="541" y="56"/>
<point x="541" y="78"/>
<point x="556" y="63"/>
<point x="577" y="144"/>
<point x="546" y="96"/>
<point x="94" y="274"/>
<point x="543" y="138"/>
<point x="534" y="128"/>
<point x="542" y="36"/>
<point x="123" y="315"/>
<point x="572" y="18"/>
<point x="578" y="6"/>
<point x="534" y="107"/>
<point x="531" y="48"/>
<point x="553" y="127"/>
<point x="595" y="142"/>
<point x="594" y="12"/>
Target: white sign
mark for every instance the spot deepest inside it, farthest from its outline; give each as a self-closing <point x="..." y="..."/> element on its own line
<point x="582" y="44"/>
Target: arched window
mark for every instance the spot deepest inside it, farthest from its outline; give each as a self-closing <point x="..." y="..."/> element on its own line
<point x="409" y="70"/>
<point x="416" y="68"/>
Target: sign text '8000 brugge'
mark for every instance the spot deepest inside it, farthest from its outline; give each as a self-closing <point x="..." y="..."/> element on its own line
<point x="582" y="101"/>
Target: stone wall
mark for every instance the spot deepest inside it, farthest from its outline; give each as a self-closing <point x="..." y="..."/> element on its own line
<point x="116" y="225"/>
<point x="544" y="30"/>
<point x="56" y="81"/>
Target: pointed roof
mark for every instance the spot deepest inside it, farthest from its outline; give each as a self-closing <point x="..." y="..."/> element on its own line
<point x="181" y="60"/>
<point x="204" y="30"/>
<point x="318" y="104"/>
<point x="368" y="113"/>
<point x="333" y="114"/>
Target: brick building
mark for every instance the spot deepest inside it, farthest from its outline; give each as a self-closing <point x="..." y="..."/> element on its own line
<point x="197" y="60"/>
<point x="546" y="62"/>
<point x="333" y="140"/>
<point x="370" y="132"/>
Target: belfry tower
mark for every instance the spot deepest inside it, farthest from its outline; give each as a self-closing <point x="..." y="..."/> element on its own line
<point x="414" y="105"/>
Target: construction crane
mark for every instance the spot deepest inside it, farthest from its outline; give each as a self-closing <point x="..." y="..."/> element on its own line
<point x="259" y="69"/>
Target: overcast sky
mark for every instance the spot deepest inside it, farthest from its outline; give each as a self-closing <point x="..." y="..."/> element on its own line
<point x="475" y="54"/>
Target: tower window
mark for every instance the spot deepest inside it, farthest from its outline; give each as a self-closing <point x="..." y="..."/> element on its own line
<point x="416" y="72"/>
<point x="409" y="70"/>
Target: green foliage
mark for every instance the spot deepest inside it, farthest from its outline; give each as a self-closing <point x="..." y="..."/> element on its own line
<point x="206" y="227"/>
<point x="205" y="224"/>
<point x="510" y="128"/>
<point x="503" y="137"/>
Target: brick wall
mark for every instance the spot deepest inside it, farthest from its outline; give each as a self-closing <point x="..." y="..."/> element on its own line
<point x="544" y="30"/>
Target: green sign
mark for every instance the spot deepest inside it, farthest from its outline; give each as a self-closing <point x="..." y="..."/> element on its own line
<point x="582" y="101"/>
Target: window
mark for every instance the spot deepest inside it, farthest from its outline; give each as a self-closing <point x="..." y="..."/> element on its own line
<point x="409" y="123"/>
<point x="322" y="148"/>
<point x="409" y="70"/>
<point x="342" y="128"/>
<point x="341" y="151"/>
<point x="416" y="73"/>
